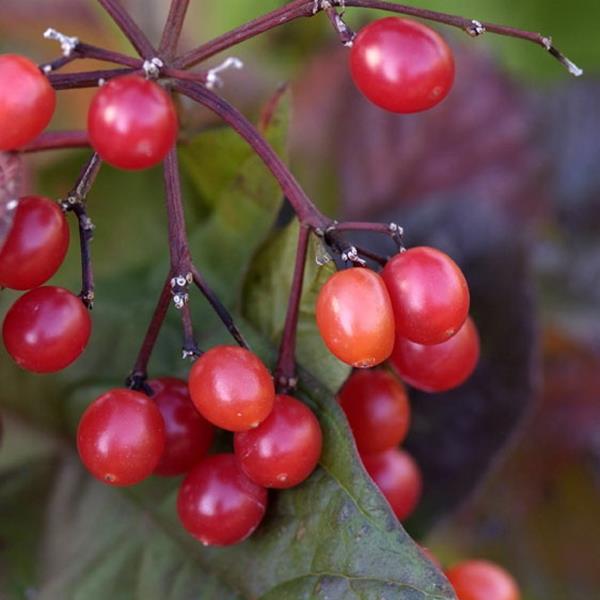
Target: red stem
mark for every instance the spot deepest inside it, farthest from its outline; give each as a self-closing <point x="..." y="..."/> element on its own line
<point x="58" y="140"/>
<point x="285" y="372"/>
<point x="71" y="81"/>
<point x="307" y="212"/>
<point x="129" y="27"/>
<point x="173" y="28"/>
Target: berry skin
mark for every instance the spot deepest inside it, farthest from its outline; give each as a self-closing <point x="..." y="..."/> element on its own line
<point x="429" y="294"/>
<point x="121" y="437"/>
<point x="355" y="317"/>
<point x="398" y="477"/>
<point x="46" y="329"/>
<point x="27" y="101"/>
<point x="232" y="388"/>
<point x="438" y="367"/>
<point x="132" y="123"/>
<point x="401" y="65"/>
<point x="188" y="434"/>
<point x="482" y="580"/>
<point x="377" y="409"/>
<point x="284" y="449"/>
<point x="36" y="244"/>
<point x="218" y="504"/>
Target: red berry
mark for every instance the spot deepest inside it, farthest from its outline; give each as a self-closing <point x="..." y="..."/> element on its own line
<point x="429" y="294"/>
<point x="377" y="408"/>
<point x="132" y="123"/>
<point x="36" y="245"/>
<point x="438" y="367"/>
<point x="482" y="580"/>
<point x="188" y="435"/>
<point x="398" y="477"/>
<point x="46" y="329"/>
<point x="218" y="504"/>
<point x="121" y="437"/>
<point x="284" y="449"/>
<point x="355" y="318"/>
<point x="27" y="101"/>
<point x="232" y="388"/>
<point x="401" y="65"/>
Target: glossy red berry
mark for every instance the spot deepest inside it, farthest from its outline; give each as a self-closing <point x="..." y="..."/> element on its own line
<point x="132" y="123"/>
<point x="284" y="449"/>
<point x="377" y="408"/>
<point x="232" y="388"/>
<point x="46" y="329"/>
<point x="355" y="318"/>
<point x="218" y="504"/>
<point x="429" y="294"/>
<point x="438" y="367"/>
<point x="121" y="437"/>
<point x="27" y="101"/>
<point x="401" y="65"/>
<point x="482" y="580"/>
<point x="188" y="434"/>
<point x="398" y="477"/>
<point x="36" y="244"/>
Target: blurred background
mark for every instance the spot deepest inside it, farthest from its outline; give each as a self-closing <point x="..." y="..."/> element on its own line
<point x="503" y="176"/>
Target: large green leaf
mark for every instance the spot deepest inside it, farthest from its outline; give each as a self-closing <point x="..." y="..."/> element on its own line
<point x="266" y="294"/>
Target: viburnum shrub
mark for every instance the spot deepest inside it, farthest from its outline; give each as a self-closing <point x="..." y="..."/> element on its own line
<point x="412" y="306"/>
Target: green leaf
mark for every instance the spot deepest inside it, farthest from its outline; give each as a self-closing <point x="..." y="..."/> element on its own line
<point x="244" y="197"/>
<point x="266" y="293"/>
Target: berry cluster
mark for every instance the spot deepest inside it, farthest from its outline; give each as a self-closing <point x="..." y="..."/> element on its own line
<point x="415" y="314"/>
<point x="124" y="436"/>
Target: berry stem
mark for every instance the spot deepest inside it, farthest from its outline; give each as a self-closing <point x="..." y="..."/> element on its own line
<point x="219" y="308"/>
<point x="307" y="212"/>
<point x="173" y="28"/>
<point x="285" y="372"/>
<point x="71" y="81"/>
<point x="139" y="374"/>
<point x="58" y="140"/>
<point x="75" y="202"/>
<point x="129" y="27"/>
<point x="305" y="8"/>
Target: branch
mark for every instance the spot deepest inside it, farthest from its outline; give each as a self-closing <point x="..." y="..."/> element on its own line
<point x="219" y="308"/>
<point x="58" y="140"/>
<point x="306" y="8"/>
<point x="75" y="202"/>
<point x="71" y="81"/>
<point x="173" y="28"/>
<point x="129" y="27"/>
<point x="285" y="372"/>
<point x="307" y="212"/>
<point x="139" y="374"/>
<point x="275" y="18"/>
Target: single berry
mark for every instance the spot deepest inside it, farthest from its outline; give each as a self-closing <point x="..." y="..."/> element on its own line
<point x="377" y="408"/>
<point x="218" y="504"/>
<point x="401" y="65"/>
<point x="27" y="101"/>
<point x="46" y="329"/>
<point x="398" y="477"/>
<point x="132" y="123"/>
<point x="232" y="388"/>
<point x="438" y="367"/>
<point x="188" y="434"/>
<point x="284" y="449"/>
<point x="36" y="244"/>
<point x="429" y="294"/>
<point x="121" y="437"/>
<point x="355" y="318"/>
<point x="482" y="580"/>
